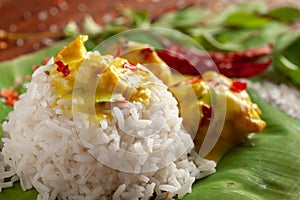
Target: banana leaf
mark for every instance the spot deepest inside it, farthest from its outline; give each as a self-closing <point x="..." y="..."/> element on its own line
<point x="267" y="166"/>
<point x="17" y="68"/>
<point x="264" y="167"/>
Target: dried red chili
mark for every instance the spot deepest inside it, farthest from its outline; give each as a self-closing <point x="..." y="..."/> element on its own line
<point x="10" y="96"/>
<point x="241" y="69"/>
<point x="177" y="62"/>
<point x="206" y="110"/>
<point x="238" y="86"/>
<point x="247" y="55"/>
<point x="61" y="67"/>
<point x="146" y="52"/>
<point x="241" y="64"/>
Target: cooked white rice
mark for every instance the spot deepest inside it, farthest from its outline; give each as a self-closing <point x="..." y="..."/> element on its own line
<point x="282" y="96"/>
<point x="45" y="149"/>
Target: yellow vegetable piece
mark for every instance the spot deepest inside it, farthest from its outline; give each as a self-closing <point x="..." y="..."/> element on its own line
<point x="71" y="55"/>
<point x="112" y="79"/>
<point x="146" y="55"/>
<point x="242" y="116"/>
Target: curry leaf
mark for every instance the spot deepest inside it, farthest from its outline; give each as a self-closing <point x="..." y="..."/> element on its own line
<point x="285" y="39"/>
<point x="166" y="20"/>
<point x="285" y="14"/>
<point x="265" y="35"/>
<point x="258" y="7"/>
<point x="188" y="17"/>
<point x="237" y="37"/>
<point x="138" y="18"/>
<point x="181" y="19"/>
<point x="246" y="20"/>
<point x="292" y="52"/>
<point x="209" y="43"/>
<point x="287" y="68"/>
<point x="287" y="60"/>
<point x="250" y="7"/>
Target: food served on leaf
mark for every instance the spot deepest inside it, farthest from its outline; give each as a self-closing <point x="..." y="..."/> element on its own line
<point x="95" y="126"/>
<point x="131" y="146"/>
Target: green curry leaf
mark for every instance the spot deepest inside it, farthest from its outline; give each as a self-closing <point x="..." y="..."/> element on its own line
<point x="249" y="7"/>
<point x="285" y="14"/>
<point x="286" y="57"/>
<point x="246" y="20"/>
<point x="138" y="18"/>
<point x="287" y="68"/>
<point x="285" y="39"/>
<point x="181" y="19"/>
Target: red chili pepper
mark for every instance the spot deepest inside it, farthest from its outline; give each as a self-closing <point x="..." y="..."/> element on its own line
<point x="10" y="96"/>
<point x="238" y="86"/>
<point x="146" y="52"/>
<point x="61" y="67"/>
<point x="177" y="62"/>
<point x="206" y="110"/>
<point x="234" y="64"/>
<point x="249" y="54"/>
<point x="243" y="69"/>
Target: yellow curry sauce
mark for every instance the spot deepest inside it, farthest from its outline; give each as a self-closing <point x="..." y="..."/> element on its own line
<point x="117" y="78"/>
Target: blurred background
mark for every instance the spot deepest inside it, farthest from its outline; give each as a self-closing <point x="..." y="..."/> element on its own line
<point x="30" y="25"/>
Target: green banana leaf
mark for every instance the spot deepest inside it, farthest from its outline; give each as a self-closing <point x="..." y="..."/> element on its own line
<point x="264" y="167"/>
<point x="20" y="67"/>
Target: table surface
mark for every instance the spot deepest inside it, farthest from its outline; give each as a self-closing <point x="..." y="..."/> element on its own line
<point x="46" y="19"/>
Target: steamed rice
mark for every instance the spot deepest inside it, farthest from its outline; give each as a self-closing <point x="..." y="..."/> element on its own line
<point x="282" y="96"/>
<point x="44" y="148"/>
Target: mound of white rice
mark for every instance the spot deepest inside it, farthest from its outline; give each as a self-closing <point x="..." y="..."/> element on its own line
<point x="44" y="148"/>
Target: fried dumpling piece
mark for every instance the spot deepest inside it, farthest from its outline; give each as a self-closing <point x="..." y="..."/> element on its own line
<point x="242" y="116"/>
